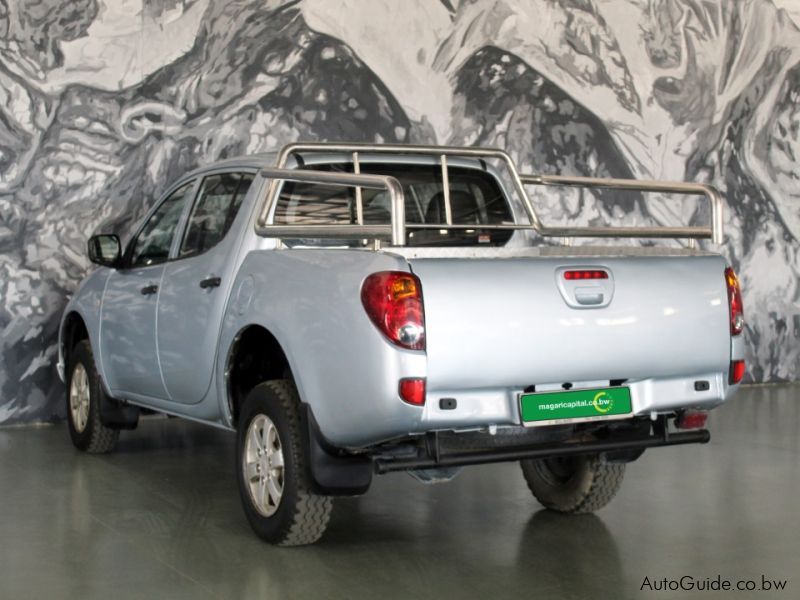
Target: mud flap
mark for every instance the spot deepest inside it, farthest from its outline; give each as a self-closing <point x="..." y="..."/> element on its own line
<point x="117" y="415"/>
<point x="333" y="472"/>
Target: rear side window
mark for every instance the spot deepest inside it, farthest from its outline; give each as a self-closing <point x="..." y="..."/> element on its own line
<point x="216" y="207"/>
<point x="475" y="199"/>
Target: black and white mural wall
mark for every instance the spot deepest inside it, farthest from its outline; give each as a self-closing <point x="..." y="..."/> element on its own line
<point x="102" y="102"/>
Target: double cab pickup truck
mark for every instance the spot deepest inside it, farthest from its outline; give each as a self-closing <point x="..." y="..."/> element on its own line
<point x="350" y="310"/>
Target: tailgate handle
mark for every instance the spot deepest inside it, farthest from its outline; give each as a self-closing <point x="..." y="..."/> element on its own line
<point x="589" y="298"/>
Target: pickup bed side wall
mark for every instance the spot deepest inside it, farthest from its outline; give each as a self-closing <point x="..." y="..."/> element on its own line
<point x="309" y="299"/>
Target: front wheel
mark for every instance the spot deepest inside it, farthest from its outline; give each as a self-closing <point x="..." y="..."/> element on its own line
<point x="573" y="484"/>
<point x="273" y="479"/>
<point x="84" y="395"/>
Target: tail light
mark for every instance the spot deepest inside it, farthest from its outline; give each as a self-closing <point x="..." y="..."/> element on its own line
<point x="737" y="372"/>
<point x="734" y="302"/>
<point x="393" y="302"/>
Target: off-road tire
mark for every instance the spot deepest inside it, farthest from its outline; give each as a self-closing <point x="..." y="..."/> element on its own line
<point x="95" y="438"/>
<point x="301" y="516"/>
<point x="579" y="484"/>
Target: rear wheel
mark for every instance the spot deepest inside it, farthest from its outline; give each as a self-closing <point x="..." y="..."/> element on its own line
<point x="573" y="484"/>
<point x="273" y="479"/>
<point x="84" y="395"/>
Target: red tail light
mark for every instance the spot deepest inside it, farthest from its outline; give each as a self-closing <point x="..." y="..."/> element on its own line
<point x="585" y="274"/>
<point x="736" y="372"/>
<point x="393" y="301"/>
<point x="413" y="391"/>
<point x="734" y="302"/>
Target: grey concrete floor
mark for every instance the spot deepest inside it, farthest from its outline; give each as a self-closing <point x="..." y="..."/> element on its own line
<point x="160" y="518"/>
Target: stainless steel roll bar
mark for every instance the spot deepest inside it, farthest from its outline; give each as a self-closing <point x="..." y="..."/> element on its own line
<point x="713" y="231"/>
<point x="396" y="232"/>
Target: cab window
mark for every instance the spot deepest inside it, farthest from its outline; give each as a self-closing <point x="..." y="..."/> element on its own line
<point x="214" y="211"/>
<point x="155" y="238"/>
<point x="475" y="199"/>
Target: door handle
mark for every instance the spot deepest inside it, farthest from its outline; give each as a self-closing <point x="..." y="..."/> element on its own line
<point x="210" y="282"/>
<point x="149" y="289"/>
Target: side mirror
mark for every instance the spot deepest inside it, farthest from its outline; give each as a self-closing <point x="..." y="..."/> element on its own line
<point x="105" y="250"/>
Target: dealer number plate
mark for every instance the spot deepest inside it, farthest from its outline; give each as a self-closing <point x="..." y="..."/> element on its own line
<point x="550" y="408"/>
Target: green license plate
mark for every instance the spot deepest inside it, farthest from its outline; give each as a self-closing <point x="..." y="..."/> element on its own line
<point x="546" y="408"/>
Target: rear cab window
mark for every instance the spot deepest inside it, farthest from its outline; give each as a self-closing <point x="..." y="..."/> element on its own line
<point x="476" y="199"/>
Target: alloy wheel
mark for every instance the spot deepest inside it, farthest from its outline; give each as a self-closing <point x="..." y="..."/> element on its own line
<point x="263" y="465"/>
<point x="79" y="397"/>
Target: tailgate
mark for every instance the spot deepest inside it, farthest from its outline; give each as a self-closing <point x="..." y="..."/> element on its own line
<point x="516" y="322"/>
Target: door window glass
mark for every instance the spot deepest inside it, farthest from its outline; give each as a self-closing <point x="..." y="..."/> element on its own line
<point x="217" y="205"/>
<point x="155" y="239"/>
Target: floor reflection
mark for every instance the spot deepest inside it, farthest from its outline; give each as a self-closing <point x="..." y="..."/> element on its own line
<point x="161" y="518"/>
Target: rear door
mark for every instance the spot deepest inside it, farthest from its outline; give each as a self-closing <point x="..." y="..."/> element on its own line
<point x="195" y="286"/>
<point x="128" y="316"/>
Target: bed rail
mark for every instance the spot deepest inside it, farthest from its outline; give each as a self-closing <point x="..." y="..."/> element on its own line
<point x="396" y="231"/>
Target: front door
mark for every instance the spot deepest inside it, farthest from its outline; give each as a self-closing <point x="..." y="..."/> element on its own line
<point x="128" y="317"/>
<point x="196" y="284"/>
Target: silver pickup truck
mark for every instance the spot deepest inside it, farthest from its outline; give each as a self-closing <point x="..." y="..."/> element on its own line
<point x="363" y="309"/>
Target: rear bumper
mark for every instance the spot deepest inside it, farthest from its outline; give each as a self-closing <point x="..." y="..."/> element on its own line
<point x="337" y="472"/>
<point x="482" y="408"/>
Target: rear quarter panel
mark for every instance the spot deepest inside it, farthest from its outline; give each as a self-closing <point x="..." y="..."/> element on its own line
<point x="309" y="299"/>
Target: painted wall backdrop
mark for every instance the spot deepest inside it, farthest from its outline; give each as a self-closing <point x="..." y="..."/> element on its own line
<point x="104" y="101"/>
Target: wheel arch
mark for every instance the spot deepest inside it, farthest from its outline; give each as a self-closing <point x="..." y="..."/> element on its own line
<point x="73" y="330"/>
<point x="254" y="356"/>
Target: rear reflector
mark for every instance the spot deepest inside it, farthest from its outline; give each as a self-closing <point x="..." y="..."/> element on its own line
<point x="691" y="419"/>
<point x="584" y="274"/>
<point x="737" y="372"/>
<point x="413" y="391"/>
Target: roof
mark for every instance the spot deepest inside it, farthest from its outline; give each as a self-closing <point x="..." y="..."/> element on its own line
<point x="270" y="159"/>
<point x="257" y="161"/>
